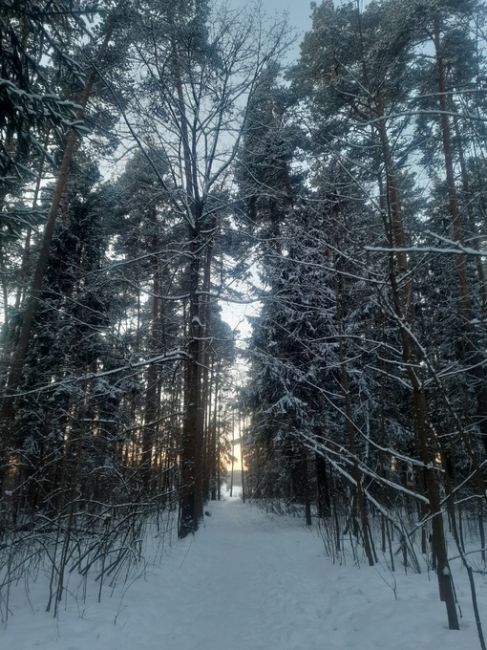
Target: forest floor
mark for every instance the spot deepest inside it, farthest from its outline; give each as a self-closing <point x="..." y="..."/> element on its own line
<point x="251" y="581"/>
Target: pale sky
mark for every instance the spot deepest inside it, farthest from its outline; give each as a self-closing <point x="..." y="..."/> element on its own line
<point x="298" y="13"/>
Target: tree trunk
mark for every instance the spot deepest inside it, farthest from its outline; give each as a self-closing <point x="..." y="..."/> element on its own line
<point x="151" y="410"/>
<point x="191" y="498"/>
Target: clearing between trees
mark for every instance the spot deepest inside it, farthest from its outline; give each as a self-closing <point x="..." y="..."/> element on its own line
<point x="249" y="581"/>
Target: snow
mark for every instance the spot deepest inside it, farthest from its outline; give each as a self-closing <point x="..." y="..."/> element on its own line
<point x="250" y="581"/>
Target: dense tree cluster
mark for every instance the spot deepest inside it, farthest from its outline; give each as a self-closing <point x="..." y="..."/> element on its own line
<point x="368" y="370"/>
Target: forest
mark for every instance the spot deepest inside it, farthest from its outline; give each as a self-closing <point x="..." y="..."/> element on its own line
<point x="164" y="163"/>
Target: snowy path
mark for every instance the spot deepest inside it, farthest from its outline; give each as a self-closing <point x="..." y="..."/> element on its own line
<point x="251" y="582"/>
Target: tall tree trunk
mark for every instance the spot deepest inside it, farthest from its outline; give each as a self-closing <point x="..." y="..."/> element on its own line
<point x="359" y="502"/>
<point x="427" y="446"/>
<point x="403" y="305"/>
<point x="191" y="497"/>
<point x="214" y="459"/>
<point x="153" y="376"/>
<point x="457" y="225"/>
<point x="192" y="447"/>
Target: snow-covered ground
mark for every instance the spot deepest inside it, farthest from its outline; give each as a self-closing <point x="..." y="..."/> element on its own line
<point x="250" y="581"/>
